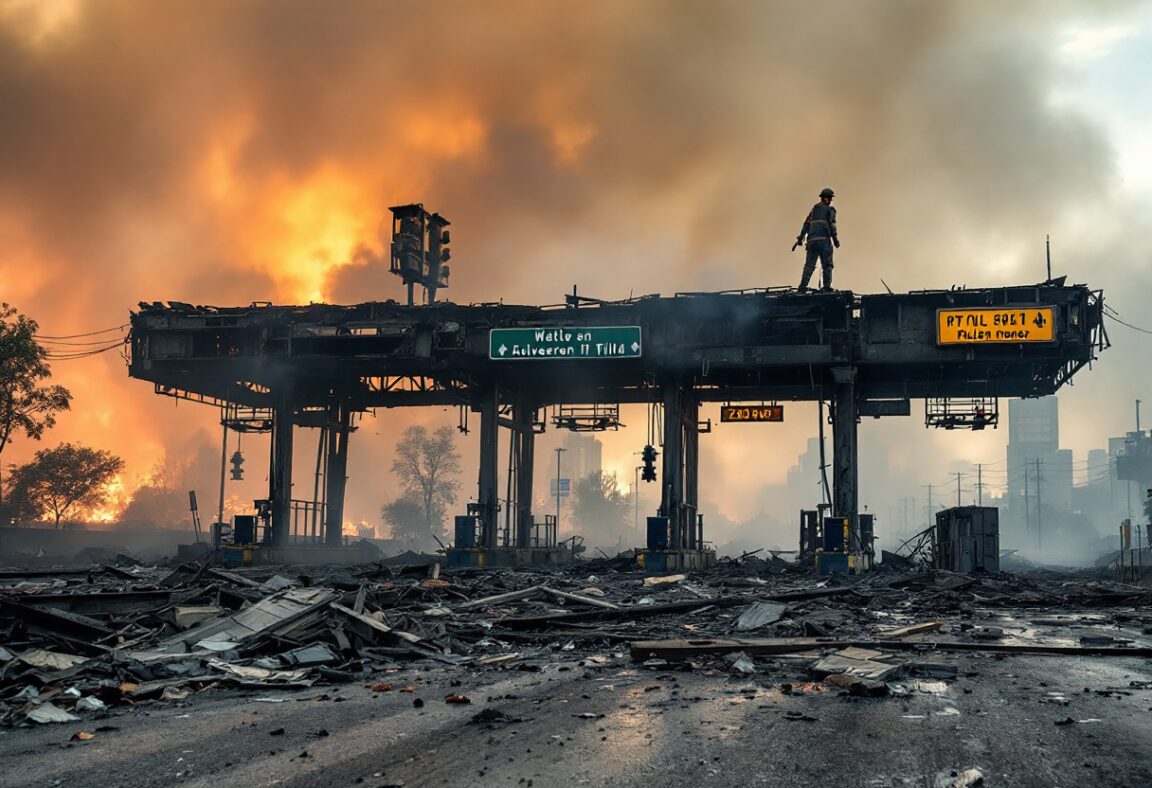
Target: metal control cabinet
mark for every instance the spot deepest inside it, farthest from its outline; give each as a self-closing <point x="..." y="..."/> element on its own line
<point x="967" y="539"/>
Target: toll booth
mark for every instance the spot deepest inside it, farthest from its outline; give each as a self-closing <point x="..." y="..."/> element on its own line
<point x="967" y="539"/>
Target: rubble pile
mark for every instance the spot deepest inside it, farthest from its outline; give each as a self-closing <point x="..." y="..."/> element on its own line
<point x="79" y="643"/>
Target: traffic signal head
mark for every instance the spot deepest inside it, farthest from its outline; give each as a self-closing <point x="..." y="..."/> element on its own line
<point x="648" y="472"/>
<point x="438" y="252"/>
<point x="237" y="466"/>
<point x="408" y="230"/>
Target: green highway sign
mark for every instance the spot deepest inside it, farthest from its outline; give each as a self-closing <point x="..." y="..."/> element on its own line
<point x="556" y="342"/>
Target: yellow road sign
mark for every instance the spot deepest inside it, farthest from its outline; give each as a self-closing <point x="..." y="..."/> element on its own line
<point x="995" y="325"/>
<point x="759" y="413"/>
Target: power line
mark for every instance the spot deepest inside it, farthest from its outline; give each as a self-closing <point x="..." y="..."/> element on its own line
<point x="57" y="343"/>
<point x="120" y="327"/>
<point x="1114" y="315"/>
<point x="83" y="353"/>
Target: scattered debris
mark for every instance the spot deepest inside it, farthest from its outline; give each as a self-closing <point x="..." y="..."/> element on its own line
<point x="491" y="715"/>
<point x="85" y="642"/>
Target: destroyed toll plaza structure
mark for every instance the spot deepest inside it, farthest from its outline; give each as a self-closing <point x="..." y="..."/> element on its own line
<point x="276" y="368"/>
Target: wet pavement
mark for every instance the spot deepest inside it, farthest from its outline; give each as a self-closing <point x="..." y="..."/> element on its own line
<point x="1020" y="720"/>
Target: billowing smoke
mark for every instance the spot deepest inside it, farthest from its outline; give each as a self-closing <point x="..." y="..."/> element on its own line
<point x="215" y="152"/>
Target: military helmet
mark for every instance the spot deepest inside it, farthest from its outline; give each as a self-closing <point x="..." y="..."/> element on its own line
<point x="826" y="192"/>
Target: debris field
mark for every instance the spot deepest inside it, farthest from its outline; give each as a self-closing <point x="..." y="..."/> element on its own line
<point x="82" y="646"/>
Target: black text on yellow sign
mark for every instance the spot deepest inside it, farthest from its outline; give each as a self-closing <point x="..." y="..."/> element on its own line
<point x="989" y="326"/>
<point x="751" y="413"/>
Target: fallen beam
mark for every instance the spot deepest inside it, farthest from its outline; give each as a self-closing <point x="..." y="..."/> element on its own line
<point x="101" y="603"/>
<point x="580" y="599"/>
<point x="622" y="614"/>
<point x="914" y="629"/>
<point x="500" y="599"/>
<point x="676" y="649"/>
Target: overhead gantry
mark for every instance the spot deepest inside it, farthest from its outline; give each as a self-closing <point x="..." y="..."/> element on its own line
<point x="864" y="355"/>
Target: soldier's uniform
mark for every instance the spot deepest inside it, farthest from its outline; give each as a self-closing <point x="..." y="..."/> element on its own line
<point x="820" y="229"/>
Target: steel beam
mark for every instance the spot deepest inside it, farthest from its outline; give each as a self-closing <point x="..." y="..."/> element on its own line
<point x="524" y="446"/>
<point x="488" y="495"/>
<point x="845" y="473"/>
<point x="336" y="472"/>
<point x="281" y="475"/>
<point x="691" y="423"/>
<point x="672" y="486"/>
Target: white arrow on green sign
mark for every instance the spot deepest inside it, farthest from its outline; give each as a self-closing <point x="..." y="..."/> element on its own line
<point x="547" y="343"/>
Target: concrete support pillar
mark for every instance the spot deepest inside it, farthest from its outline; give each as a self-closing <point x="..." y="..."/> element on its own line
<point x="281" y="475"/>
<point x="672" y="479"/>
<point x="336" y="472"/>
<point x="488" y="495"/>
<point x="692" y="471"/>
<point x="845" y="470"/>
<point x="524" y="447"/>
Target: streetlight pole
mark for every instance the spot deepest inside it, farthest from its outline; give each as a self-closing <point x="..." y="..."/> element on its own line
<point x="558" y="450"/>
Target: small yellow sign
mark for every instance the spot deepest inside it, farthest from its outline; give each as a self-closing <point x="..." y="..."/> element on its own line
<point x="995" y="325"/>
<point x="759" y="413"/>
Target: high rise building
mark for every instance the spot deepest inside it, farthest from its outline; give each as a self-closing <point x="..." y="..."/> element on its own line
<point x="1039" y="471"/>
<point x="583" y="456"/>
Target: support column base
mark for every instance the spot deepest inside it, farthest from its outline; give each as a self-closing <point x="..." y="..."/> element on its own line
<point x="479" y="558"/>
<point x="675" y="560"/>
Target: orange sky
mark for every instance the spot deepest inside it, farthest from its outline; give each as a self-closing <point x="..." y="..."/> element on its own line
<point x="215" y="152"/>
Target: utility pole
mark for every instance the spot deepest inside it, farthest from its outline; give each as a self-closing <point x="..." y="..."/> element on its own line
<point x="979" y="484"/>
<point x="931" y="518"/>
<point x="1048" y="254"/>
<point x="1027" y="513"/>
<point x="957" y="488"/>
<point x="1039" y="516"/>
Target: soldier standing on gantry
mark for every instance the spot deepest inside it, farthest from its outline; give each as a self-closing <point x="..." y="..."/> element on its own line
<point x="820" y="229"/>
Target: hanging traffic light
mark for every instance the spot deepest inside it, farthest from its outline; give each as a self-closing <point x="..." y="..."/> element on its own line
<point x="648" y="455"/>
<point x="237" y="466"/>
<point x="438" y="254"/>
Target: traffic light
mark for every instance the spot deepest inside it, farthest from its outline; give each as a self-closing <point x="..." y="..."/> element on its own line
<point x="648" y="473"/>
<point x="237" y="466"/>
<point x="408" y="227"/>
<point x="438" y="252"/>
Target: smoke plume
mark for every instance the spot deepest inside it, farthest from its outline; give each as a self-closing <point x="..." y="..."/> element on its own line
<point x="215" y="152"/>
